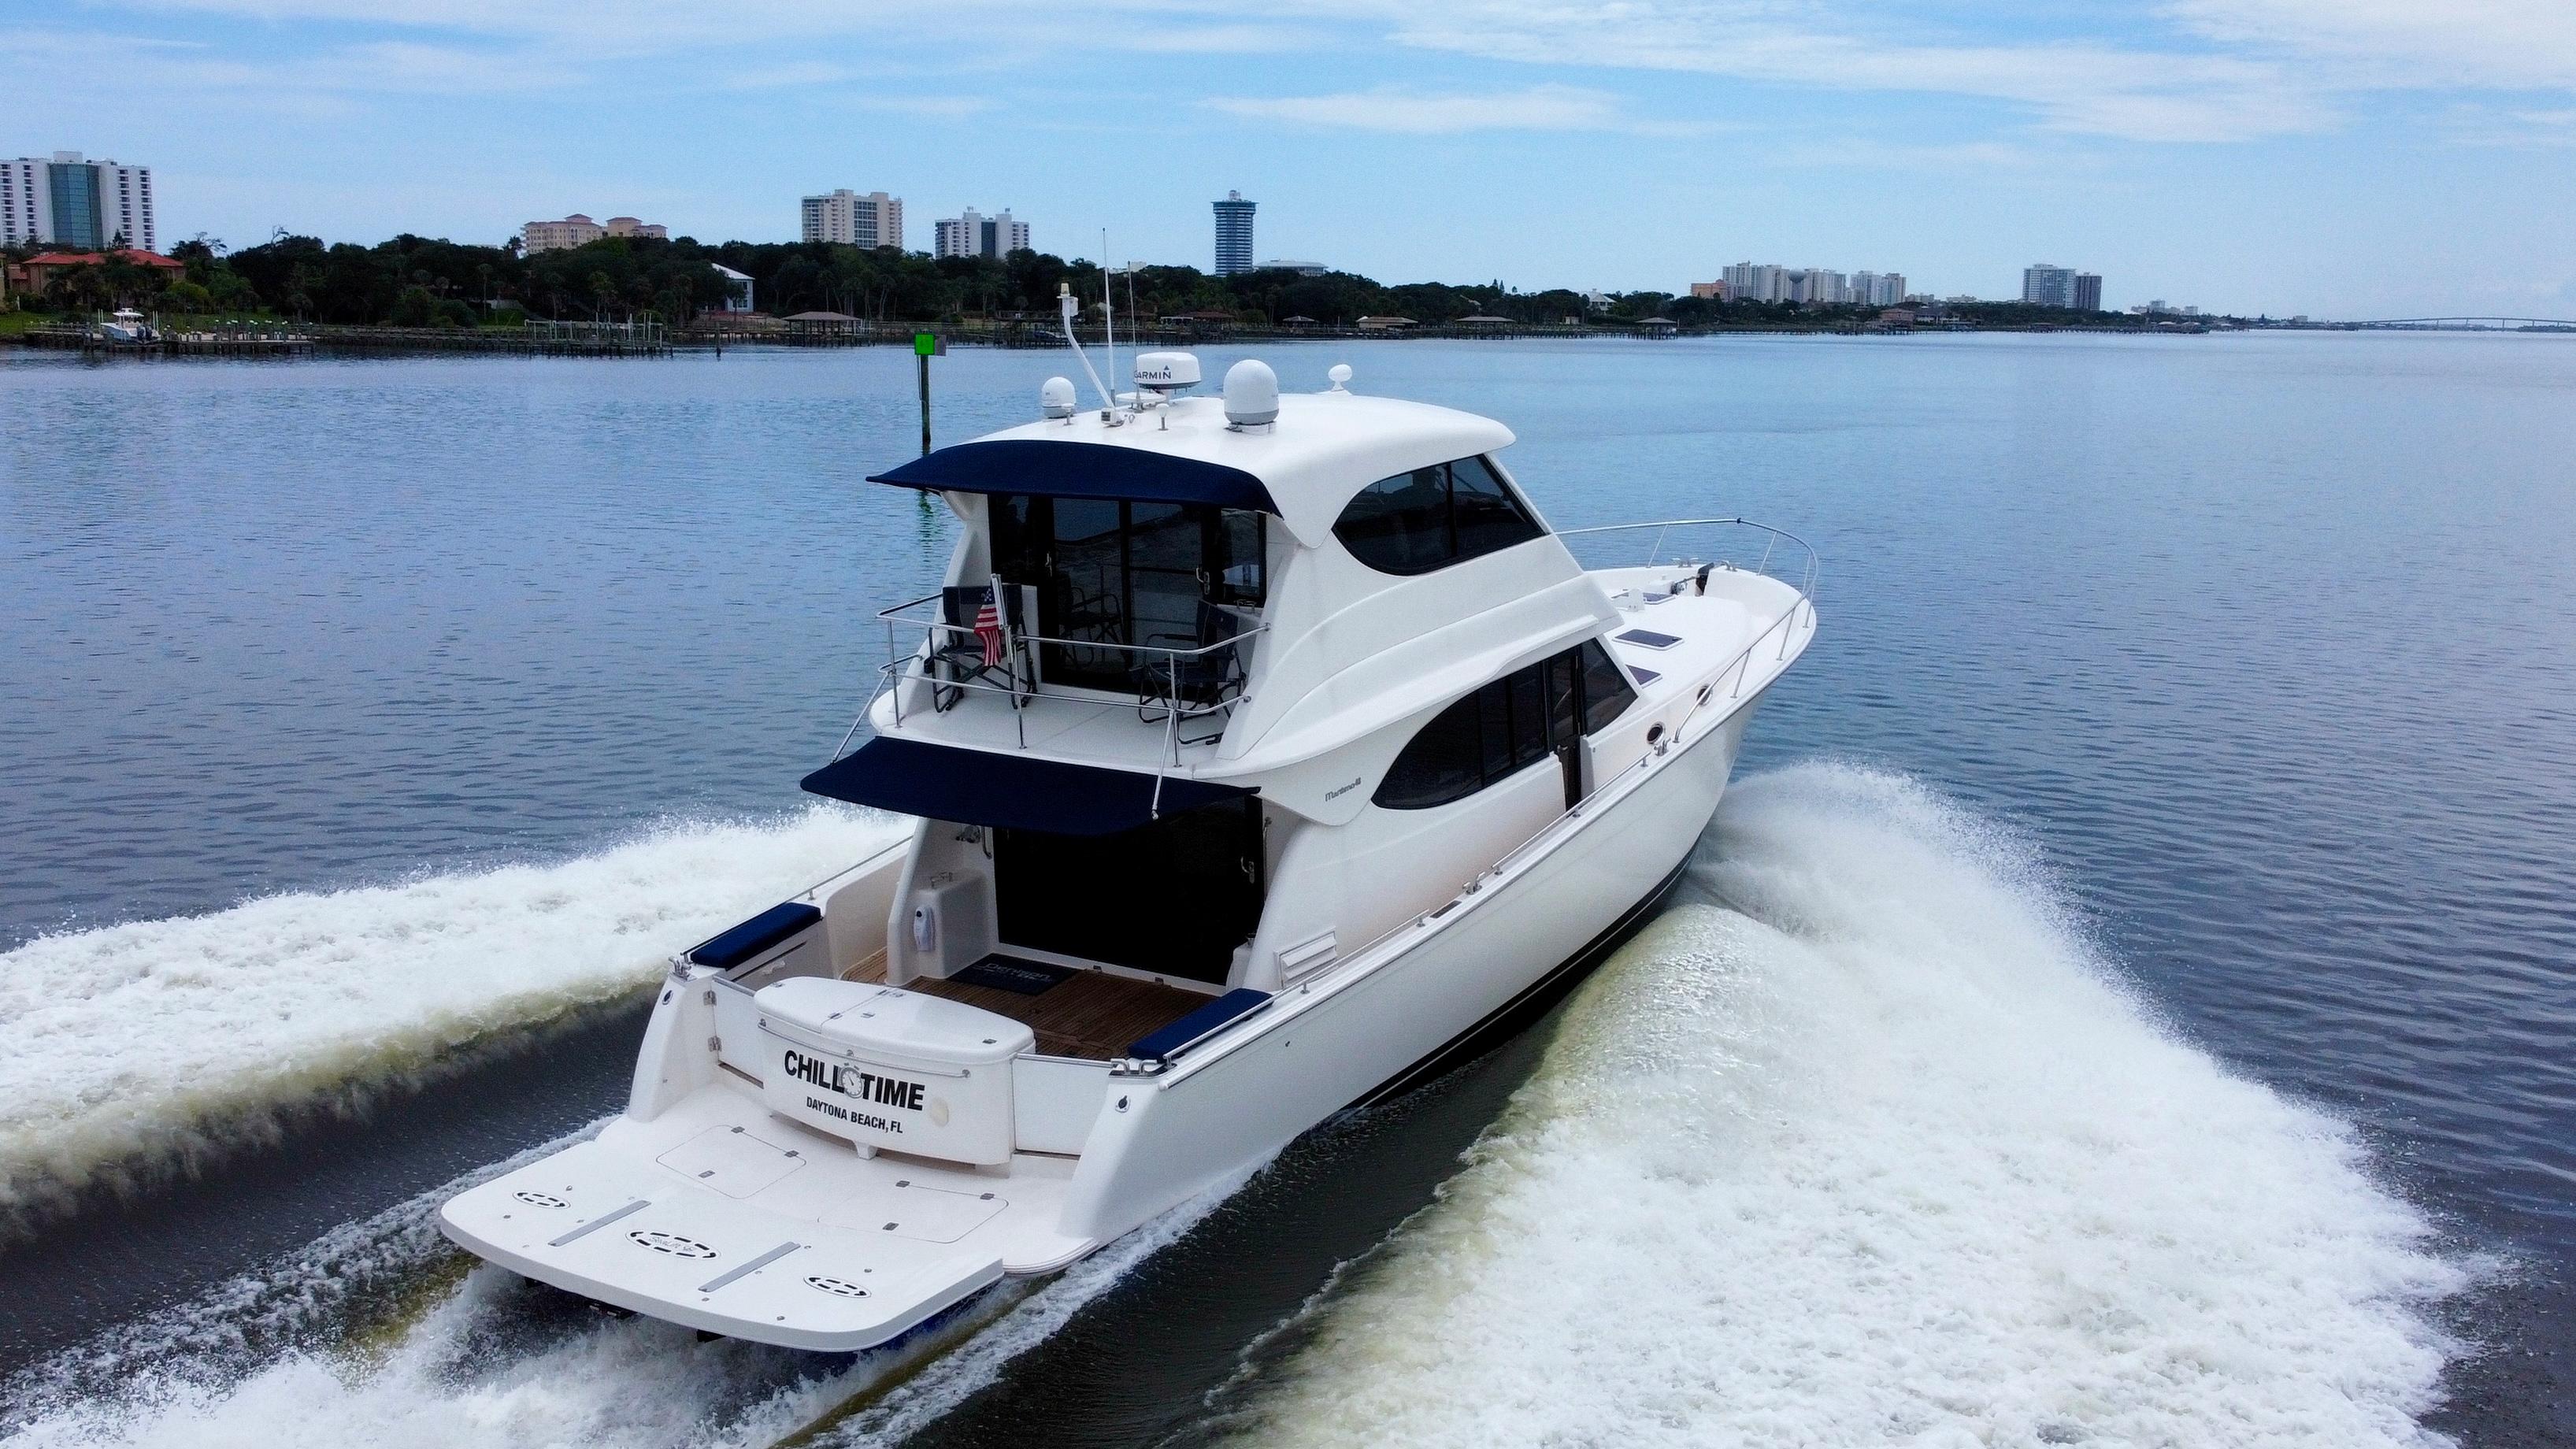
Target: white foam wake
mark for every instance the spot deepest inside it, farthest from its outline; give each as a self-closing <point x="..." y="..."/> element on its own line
<point x="159" y="1039"/>
<point x="1880" y="1156"/>
<point x="268" y="1362"/>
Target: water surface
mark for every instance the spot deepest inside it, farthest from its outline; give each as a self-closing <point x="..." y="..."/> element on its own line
<point x="2261" y="648"/>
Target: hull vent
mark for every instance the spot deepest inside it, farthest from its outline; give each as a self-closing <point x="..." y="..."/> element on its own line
<point x="837" y="1287"/>
<point x="671" y="1243"/>
<point x="539" y="1199"/>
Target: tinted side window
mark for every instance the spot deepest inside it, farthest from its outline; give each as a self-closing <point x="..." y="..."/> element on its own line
<point x="1506" y="726"/>
<point x="1444" y="762"/>
<point x="1606" y="690"/>
<point x="1400" y="525"/>
<point x="1415" y="522"/>
<point x="1487" y="516"/>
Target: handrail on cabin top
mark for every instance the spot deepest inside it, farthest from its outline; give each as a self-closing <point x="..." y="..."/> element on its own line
<point x="1805" y="585"/>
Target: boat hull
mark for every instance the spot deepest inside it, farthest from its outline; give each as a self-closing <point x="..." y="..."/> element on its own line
<point x="785" y="1225"/>
<point x="1499" y="955"/>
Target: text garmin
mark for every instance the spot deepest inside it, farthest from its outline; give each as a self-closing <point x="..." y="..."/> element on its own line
<point x="851" y="1082"/>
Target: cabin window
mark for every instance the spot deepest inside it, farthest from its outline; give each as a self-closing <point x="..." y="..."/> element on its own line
<point x="1506" y="726"/>
<point x="1606" y="690"/>
<point x="1111" y="574"/>
<point x="1432" y="517"/>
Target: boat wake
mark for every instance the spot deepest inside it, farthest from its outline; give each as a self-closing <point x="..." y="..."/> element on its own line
<point x="381" y="1333"/>
<point x="136" y="1048"/>
<point x="1864" y="1145"/>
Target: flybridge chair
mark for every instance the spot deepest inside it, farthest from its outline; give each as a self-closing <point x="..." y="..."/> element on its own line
<point x="961" y="654"/>
<point x="1210" y="677"/>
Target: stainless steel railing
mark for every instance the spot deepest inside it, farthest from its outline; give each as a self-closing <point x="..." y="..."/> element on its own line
<point x="915" y="664"/>
<point x="1772" y="538"/>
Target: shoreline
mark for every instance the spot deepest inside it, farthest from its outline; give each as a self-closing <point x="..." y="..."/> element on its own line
<point x="314" y="340"/>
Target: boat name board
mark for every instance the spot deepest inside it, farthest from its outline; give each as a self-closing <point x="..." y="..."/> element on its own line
<point x="851" y="1082"/>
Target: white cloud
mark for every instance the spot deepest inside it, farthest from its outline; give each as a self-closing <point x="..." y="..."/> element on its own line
<point x="1539" y="108"/>
<point x="2078" y="87"/>
<point x="1218" y="40"/>
<point x="2405" y="43"/>
<point x="2179" y="71"/>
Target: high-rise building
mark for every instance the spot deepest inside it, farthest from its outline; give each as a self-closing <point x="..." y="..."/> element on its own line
<point x="1877" y="289"/>
<point x="872" y="219"/>
<point x="1749" y="282"/>
<point x="974" y="235"/>
<point x="1233" y="234"/>
<point x="2043" y="285"/>
<point x="67" y="201"/>
<point x="2088" y="292"/>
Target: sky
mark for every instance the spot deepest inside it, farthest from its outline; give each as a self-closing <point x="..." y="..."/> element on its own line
<point x="2343" y="158"/>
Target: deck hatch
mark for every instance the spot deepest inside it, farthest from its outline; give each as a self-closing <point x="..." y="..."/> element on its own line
<point x="731" y="1161"/>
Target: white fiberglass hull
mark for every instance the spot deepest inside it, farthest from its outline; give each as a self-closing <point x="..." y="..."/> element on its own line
<point x="717" y="1214"/>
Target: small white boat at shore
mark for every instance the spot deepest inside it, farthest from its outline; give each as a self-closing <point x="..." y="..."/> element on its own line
<point x="1269" y="754"/>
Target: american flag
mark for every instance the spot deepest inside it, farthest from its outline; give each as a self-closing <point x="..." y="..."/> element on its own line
<point x="988" y="627"/>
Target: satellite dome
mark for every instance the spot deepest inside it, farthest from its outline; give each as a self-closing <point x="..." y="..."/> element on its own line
<point x="1055" y="397"/>
<point x="1251" y="394"/>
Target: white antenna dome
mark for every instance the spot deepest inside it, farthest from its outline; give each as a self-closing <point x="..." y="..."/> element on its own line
<point x="1251" y="394"/>
<point x="1165" y="373"/>
<point x="1055" y="397"/>
<point x="1340" y="374"/>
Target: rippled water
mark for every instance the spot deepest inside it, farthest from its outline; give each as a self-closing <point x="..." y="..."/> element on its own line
<point x="2262" y="649"/>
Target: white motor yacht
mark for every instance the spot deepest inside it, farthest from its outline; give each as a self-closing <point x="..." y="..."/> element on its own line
<point x="1268" y="754"/>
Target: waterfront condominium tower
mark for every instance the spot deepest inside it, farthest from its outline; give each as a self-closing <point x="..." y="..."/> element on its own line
<point x="870" y="219"/>
<point x="976" y="235"/>
<point x="2088" y="292"/>
<point x="2047" y="286"/>
<point x="69" y="202"/>
<point x="1233" y="234"/>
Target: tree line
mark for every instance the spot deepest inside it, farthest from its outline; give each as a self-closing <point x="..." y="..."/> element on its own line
<point x="424" y="282"/>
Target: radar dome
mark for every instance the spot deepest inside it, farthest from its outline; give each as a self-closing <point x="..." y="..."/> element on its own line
<point x="1166" y="372"/>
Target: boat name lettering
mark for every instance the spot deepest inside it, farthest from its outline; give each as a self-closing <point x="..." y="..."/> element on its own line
<point x="851" y="1082"/>
<point x="1340" y="791"/>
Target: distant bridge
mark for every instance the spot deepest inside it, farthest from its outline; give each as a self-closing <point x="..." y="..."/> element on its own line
<point x="2470" y="324"/>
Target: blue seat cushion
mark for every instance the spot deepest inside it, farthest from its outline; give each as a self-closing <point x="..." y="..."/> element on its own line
<point x="731" y="948"/>
<point x="1172" y="1038"/>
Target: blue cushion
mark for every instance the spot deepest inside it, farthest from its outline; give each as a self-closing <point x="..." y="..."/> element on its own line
<point x="754" y="936"/>
<point x="1198" y="1023"/>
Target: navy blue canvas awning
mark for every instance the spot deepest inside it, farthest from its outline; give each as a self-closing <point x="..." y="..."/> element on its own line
<point x="1024" y="792"/>
<point x="1080" y="470"/>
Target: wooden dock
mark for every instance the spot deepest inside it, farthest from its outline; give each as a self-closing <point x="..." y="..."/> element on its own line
<point x="570" y="339"/>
